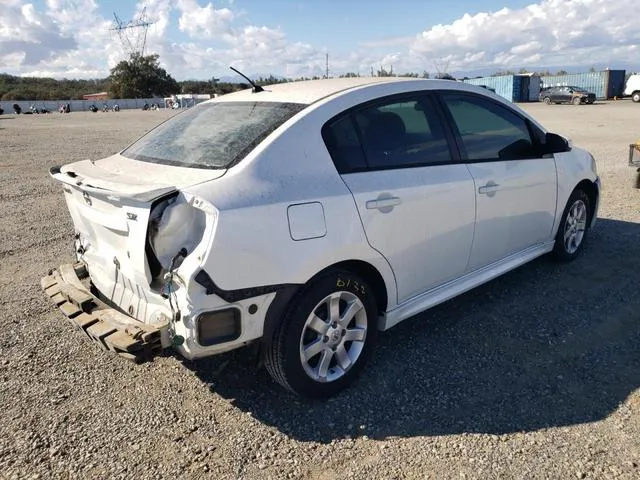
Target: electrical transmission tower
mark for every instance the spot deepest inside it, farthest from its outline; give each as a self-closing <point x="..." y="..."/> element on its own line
<point x="132" y="34"/>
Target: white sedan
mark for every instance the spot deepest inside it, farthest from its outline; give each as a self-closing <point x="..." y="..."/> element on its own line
<point x="307" y="216"/>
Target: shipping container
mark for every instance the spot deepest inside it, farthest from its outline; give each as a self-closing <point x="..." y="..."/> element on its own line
<point x="530" y="88"/>
<point x="503" y="85"/>
<point x="605" y="84"/>
<point x="515" y="88"/>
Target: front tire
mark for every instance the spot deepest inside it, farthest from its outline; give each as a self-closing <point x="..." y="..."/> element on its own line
<point x="636" y="97"/>
<point x="325" y="337"/>
<point x="576" y="101"/>
<point x="547" y="100"/>
<point x="574" y="226"/>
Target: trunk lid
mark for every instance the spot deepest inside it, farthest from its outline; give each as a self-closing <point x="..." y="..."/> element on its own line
<point x="110" y="202"/>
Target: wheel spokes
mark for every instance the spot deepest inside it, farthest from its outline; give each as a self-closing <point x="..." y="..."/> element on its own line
<point x="355" y="335"/>
<point x="343" y="357"/>
<point x="325" y="361"/>
<point x="567" y="234"/>
<point x="318" y="325"/>
<point x="313" y="349"/>
<point x="354" y="307"/>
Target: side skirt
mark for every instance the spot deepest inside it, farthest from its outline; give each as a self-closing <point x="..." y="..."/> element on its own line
<point x="465" y="283"/>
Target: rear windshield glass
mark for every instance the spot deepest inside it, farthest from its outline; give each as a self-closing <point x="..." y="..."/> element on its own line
<point x="213" y="135"/>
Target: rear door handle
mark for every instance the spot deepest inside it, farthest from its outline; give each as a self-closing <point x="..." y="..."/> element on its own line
<point x="383" y="203"/>
<point x="489" y="189"/>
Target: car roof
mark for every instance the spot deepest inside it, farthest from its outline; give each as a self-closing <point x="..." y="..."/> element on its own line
<point x="311" y="91"/>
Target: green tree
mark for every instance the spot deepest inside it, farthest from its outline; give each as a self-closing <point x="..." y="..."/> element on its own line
<point x="141" y="77"/>
<point x="503" y="73"/>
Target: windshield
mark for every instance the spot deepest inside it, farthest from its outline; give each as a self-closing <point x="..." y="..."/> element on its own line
<point x="212" y="135"/>
<point x="578" y="89"/>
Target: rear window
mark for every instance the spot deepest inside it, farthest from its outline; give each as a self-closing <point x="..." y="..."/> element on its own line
<point x="213" y="135"/>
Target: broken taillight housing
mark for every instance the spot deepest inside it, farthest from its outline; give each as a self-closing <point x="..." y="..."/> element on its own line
<point x="173" y="225"/>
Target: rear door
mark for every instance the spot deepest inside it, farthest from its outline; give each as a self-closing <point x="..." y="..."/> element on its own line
<point x="515" y="186"/>
<point x="416" y="206"/>
<point x="564" y="94"/>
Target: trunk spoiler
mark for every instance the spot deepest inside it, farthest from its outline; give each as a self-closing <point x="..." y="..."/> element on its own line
<point x="115" y="191"/>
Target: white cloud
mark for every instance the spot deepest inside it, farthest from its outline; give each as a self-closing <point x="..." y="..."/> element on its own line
<point x="29" y="36"/>
<point x="201" y="38"/>
<point x="553" y="32"/>
<point x="204" y="22"/>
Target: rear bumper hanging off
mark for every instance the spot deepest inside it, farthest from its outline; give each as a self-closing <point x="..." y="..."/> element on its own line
<point x="109" y="328"/>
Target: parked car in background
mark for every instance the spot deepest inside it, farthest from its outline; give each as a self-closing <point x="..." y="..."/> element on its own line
<point x="567" y="94"/>
<point x="306" y="216"/>
<point x="491" y="89"/>
<point x="632" y="87"/>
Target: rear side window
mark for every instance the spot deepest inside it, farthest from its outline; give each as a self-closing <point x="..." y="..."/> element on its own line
<point x="390" y="134"/>
<point x="343" y="142"/>
<point x="213" y="135"/>
<point x="488" y="130"/>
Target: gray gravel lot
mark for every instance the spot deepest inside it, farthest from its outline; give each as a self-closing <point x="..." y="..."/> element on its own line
<point x="535" y="375"/>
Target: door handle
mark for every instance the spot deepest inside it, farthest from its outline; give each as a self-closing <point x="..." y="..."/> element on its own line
<point x="383" y="203"/>
<point x="489" y="189"/>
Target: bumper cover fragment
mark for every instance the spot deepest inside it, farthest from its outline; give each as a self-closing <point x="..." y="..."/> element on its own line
<point x="109" y="328"/>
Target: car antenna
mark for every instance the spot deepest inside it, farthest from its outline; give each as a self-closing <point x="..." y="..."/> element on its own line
<point x="256" y="88"/>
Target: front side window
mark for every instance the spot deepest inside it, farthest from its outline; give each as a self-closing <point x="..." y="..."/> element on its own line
<point x="488" y="130"/>
<point x="212" y="135"/>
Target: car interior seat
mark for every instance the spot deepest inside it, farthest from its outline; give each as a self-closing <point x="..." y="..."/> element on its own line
<point x="385" y="133"/>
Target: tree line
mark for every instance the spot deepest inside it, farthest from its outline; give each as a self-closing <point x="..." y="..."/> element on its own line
<point x="143" y="77"/>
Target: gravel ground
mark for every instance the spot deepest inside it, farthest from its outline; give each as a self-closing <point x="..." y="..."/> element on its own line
<point x="535" y="375"/>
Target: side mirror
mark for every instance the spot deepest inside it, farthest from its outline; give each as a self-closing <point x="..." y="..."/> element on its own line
<point x="554" y="143"/>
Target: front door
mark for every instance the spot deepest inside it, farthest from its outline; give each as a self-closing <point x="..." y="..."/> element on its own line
<point x="417" y="208"/>
<point x="515" y="186"/>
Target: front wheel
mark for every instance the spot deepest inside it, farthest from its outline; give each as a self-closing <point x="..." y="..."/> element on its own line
<point x="577" y="101"/>
<point x="324" y="339"/>
<point x="547" y="100"/>
<point x="636" y="97"/>
<point x="574" y="226"/>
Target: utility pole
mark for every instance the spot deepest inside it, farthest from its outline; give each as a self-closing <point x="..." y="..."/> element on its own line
<point x="327" y="65"/>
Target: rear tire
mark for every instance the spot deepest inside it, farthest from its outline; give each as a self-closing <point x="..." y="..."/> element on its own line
<point x="547" y="100"/>
<point x="635" y="96"/>
<point x="574" y="227"/>
<point x="325" y="336"/>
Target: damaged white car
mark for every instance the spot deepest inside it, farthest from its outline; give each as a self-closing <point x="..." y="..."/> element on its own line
<point x="307" y="216"/>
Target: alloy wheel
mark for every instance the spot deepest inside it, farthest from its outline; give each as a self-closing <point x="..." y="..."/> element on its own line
<point x="575" y="226"/>
<point x="333" y="336"/>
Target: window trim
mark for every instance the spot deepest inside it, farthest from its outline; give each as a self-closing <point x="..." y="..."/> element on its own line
<point x="534" y="133"/>
<point x="419" y="96"/>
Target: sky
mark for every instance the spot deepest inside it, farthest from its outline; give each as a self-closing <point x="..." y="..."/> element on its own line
<point x="200" y="39"/>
